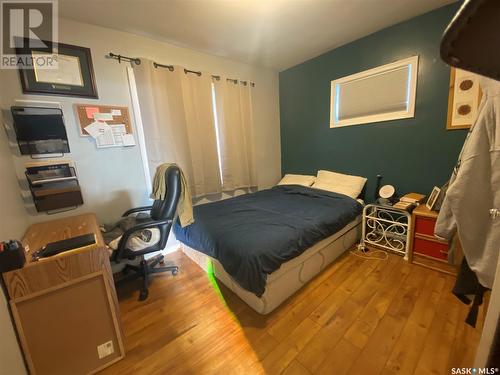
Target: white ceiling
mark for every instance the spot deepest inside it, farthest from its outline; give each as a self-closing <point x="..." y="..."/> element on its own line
<point x="272" y="33"/>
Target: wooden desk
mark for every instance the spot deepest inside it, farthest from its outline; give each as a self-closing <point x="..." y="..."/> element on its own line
<point x="65" y="306"/>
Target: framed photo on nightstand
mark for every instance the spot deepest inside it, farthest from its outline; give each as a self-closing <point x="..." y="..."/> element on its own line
<point x="433" y="197"/>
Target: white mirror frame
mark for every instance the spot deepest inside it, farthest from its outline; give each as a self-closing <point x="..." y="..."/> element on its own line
<point x="412" y="62"/>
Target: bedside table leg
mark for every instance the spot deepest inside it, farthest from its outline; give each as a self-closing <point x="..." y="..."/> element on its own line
<point x="362" y="247"/>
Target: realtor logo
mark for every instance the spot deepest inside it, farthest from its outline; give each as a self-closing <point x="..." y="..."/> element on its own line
<point x="28" y="26"/>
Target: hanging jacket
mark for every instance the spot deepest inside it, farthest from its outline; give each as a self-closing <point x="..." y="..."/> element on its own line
<point x="474" y="191"/>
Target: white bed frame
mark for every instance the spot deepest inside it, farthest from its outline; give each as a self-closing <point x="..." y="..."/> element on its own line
<point x="292" y="275"/>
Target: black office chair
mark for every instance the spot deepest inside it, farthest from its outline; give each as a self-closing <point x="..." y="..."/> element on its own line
<point x="162" y="214"/>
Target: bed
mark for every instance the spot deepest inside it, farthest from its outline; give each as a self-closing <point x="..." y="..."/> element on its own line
<point x="266" y="245"/>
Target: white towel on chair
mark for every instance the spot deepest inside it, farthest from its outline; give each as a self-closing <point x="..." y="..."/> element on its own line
<point x="139" y="240"/>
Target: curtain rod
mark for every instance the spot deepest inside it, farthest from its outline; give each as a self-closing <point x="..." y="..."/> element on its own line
<point x="121" y="58"/>
<point x="198" y="73"/>
<point x="137" y="61"/>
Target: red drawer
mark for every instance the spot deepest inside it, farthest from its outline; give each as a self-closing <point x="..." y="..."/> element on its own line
<point x="425" y="225"/>
<point x="430" y="248"/>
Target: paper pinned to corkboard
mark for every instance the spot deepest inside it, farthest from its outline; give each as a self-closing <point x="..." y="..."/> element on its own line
<point x="111" y="114"/>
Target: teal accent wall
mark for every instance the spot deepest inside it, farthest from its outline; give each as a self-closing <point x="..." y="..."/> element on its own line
<point x="412" y="154"/>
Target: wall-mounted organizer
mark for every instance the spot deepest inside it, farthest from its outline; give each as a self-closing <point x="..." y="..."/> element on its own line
<point x="40" y="132"/>
<point x="54" y="187"/>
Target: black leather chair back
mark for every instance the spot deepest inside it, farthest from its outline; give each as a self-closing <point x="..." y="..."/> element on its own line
<point x="162" y="214"/>
<point x="165" y="209"/>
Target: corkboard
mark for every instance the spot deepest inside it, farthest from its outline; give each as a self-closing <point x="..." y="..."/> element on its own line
<point x="84" y="120"/>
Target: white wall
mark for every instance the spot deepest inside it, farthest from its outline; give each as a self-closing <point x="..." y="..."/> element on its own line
<point x="490" y="323"/>
<point x="112" y="180"/>
<point x="14" y="218"/>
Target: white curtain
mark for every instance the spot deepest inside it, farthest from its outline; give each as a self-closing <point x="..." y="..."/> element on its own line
<point x="178" y="121"/>
<point x="235" y="130"/>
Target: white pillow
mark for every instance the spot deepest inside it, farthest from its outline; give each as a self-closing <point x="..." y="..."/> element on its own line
<point x="339" y="183"/>
<point x="297" y="179"/>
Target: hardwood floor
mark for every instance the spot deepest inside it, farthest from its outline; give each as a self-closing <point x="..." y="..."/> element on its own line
<point x="357" y="317"/>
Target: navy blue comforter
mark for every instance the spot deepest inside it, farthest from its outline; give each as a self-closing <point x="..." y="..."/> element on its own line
<point x="252" y="235"/>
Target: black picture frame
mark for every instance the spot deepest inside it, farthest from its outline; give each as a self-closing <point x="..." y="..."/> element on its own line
<point x="30" y="84"/>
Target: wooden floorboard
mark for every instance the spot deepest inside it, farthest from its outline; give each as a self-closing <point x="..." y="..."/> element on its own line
<point x="359" y="316"/>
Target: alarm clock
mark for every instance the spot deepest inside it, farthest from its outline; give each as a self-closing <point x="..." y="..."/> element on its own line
<point x="387" y="195"/>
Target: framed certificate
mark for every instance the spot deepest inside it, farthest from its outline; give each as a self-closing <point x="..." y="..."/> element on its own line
<point x="71" y="74"/>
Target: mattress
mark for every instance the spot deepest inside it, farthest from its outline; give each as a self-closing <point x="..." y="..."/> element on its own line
<point x="253" y="235"/>
<point x="292" y="275"/>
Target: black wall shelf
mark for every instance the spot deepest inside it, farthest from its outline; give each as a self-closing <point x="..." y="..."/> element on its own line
<point x="54" y="187"/>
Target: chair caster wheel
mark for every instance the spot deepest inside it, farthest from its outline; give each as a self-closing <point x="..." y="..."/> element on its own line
<point x="143" y="295"/>
<point x="175" y="272"/>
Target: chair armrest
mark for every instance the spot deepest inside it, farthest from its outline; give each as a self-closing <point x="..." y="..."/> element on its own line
<point x="126" y="235"/>
<point x="137" y="209"/>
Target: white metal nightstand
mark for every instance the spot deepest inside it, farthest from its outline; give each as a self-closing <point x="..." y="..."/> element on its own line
<point x="386" y="227"/>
